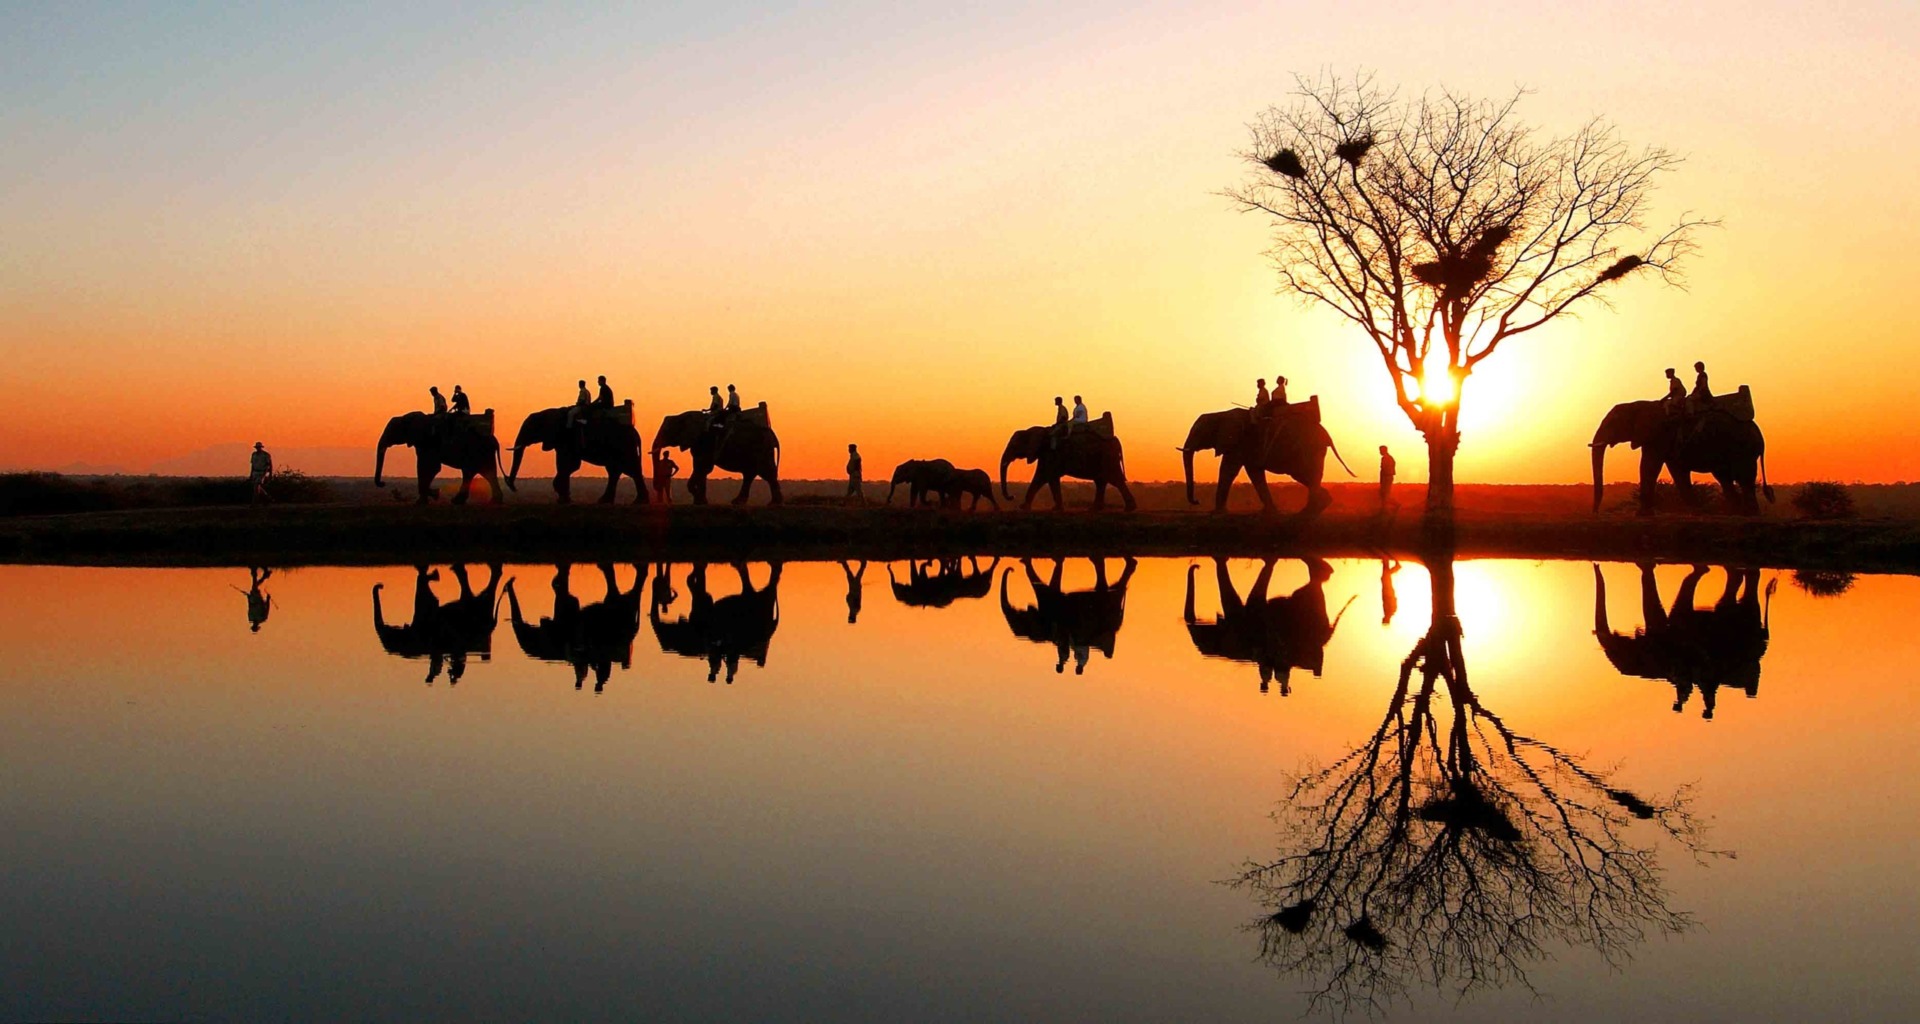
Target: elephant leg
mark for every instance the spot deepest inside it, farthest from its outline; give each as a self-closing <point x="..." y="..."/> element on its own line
<point x="492" y="477"/>
<point x="613" y="484"/>
<point x="425" y="475"/>
<point x="746" y="486"/>
<point x="563" y="481"/>
<point x="1649" y="479"/>
<point x="1258" y="477"/>
<point x="1126" y="493"/>
<point x="1053" y="488"/>
<point x="1229" y="472"/>
<point x="772" y="477"/>
<point x="1099" y="493"/>
<point x="697" y="484"/>
<point x="1033" y="489"/>
<point x="1729" y="491"/>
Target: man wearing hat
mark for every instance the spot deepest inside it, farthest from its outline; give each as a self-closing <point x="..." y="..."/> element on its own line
<point x="259" y="468"/>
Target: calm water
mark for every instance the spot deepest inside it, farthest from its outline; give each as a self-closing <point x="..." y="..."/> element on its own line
<point x="994" y="795"/>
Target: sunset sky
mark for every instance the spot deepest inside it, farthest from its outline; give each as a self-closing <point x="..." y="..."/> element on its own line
<point x="905" y="225"/>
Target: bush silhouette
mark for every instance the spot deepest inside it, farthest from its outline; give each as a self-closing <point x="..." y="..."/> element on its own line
<point x="1823" y="499"/>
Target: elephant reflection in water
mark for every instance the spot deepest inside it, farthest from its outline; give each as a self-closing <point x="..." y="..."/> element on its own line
<point x="719" y="631"/>
<point x="444" y="634"/>
<point x="594" y="636"/>
<point x="932" y="584"/>
<point x="1076" y="623"/>
<point x="1692" y="648"/>
<point x="1277" y="634"/>
<point x="1451" y="850"/>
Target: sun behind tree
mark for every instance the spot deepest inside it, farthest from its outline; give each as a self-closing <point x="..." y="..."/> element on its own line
<point x="1442" y="226"/>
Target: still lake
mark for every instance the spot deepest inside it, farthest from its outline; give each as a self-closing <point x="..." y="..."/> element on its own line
<point x="976" y="790"/>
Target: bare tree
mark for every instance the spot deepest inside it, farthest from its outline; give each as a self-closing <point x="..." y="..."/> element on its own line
<point x="1442" y="226"/>
<point x="1452" y="851"/>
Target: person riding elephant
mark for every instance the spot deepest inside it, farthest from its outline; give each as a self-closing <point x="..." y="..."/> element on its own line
<point x="932" y="584"/>
<point x="722" y="631"/>
<point x="1693" y="648"/>
<point x="466" y="443"/>
<point x="1722" y="440"/>
<point x="923" y="477"/>
<point x="1090" y="454"/>
<point x="604" y="439"/>
<point x="1289" y="440"/>
<point x="745" y="444"/>
<point x="592" y="637"/>
<point x="1075" y="623"/>
<point x="442" y="633"/>
<point x="1275" y="634"/>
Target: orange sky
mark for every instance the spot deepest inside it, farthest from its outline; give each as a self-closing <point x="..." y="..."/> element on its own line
<point x="907" y="228"/>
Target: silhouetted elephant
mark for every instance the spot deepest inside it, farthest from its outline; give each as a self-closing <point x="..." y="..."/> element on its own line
<point x="926" y="588"/>
<point x="1290" y="441"/>
<point x="1692" y="648"/>
<point x="1091" y="453"/>
<point x="607" y="438"/>
<point x="1717" y="439"/>
<point x="595" y="636"/>
<point x="722" y="631"/>
<point x="975" y="482"/>
<point x="464" y="442"/>
<point x="446" y="633"/>
<point x="922" y="477"/>
<point x="744" y="443"/>
<point x="1276" y="634"/>
<point x="1076" y="623"/>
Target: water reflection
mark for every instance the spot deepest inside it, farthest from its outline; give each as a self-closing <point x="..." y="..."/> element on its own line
<point x="1075" y="622"/>
<point x="719" y="631"/>
<point x="594" y="636"/>
<point x="443" y="633"/>
<point x="1276" y="634"/>
<point x="938" y="583"/>
<point x="1692" y="648"/>
<point x="1451" y="851"/>
<point x="854" y="586"/>
<point x="259" y="602"/>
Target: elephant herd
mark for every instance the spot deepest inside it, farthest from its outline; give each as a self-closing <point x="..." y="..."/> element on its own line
<point x="1694" y="649"/>
<point x="1720" y="439"/>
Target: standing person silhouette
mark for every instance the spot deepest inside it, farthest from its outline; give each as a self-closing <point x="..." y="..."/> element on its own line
<point x="461" y="406"/>
<point x="605" y="399"/>
<point x="1387" y="467"/>
<point x="259" y="468"/>
<point x="664" y="469"/>
<point x="855" y="488"/>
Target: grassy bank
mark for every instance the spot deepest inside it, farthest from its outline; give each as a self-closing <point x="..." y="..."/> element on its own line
<point x="395" y="533"/>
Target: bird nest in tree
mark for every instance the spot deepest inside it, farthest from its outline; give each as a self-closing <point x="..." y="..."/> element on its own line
<point x="1355" y="149"/>
<point x="1621" y="268"/>
<point x="1456" y="272"/>
<point x="1286" y="162"/>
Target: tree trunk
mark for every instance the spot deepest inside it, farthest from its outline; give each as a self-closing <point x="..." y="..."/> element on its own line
<point x="1443" y="441"/>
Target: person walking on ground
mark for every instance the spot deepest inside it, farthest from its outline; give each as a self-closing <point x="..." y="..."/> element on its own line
<point x="733" y="400"/>
<point x="855" y="488"/>
<point x="664" y="469"/>
<point x="1387" y="466"/>
<point x="461" y="406"/>
<point x="605" y="399"/>
<point x="1260" y="397"/>
<point x="439" y="401"/>
<point x="259" y="469"/>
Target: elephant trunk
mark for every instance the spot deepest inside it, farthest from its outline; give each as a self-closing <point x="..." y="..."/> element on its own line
<point x="513" y="471"/>
<point x="1187" y="613"/>
<point x="895" y="486"/>
<point x="1006" y="459"/>
<point x="387" y="440"/>
<point x="1186" y="461"/>
<point x="1600" y="627"/>
<point x="379" y="620"/>
<point x="1599" y="472"/>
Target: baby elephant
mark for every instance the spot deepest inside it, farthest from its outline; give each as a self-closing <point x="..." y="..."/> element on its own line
<point x="971" y="481"/>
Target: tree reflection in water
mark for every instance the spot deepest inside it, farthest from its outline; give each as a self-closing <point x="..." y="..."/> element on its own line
<point x="1451" y="851"/>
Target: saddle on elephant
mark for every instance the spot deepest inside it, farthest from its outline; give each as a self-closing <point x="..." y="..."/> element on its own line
<point x="621" y="414"/>
<point x="1102" y="427"/>
<point x="1738" y="404"/>
<point x="480" y="423"/>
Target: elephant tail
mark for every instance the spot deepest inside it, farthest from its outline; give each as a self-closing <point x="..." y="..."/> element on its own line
<point x="1765" y="487"/>
<point x="1335" y="449"/>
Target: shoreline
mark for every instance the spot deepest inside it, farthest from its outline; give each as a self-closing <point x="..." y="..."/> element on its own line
<point x="350" y="534"/>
